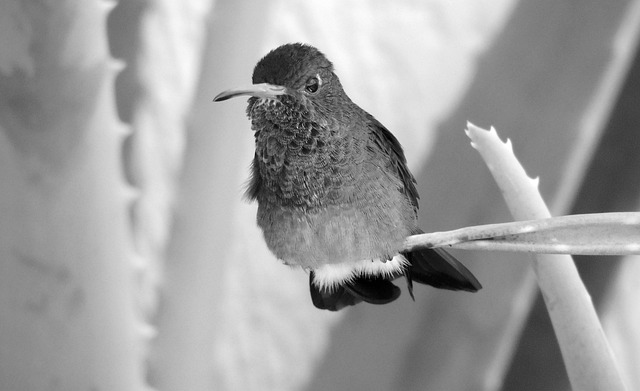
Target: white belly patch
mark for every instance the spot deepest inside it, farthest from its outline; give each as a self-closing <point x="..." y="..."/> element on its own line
<point x="330" y="276"/>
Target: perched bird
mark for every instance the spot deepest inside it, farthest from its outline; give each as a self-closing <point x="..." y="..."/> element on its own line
<point x="335" y="195"/>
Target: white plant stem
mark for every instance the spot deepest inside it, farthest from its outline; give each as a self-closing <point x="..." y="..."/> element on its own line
<point x="586" y="234"/>
<point x="588" y="358"/>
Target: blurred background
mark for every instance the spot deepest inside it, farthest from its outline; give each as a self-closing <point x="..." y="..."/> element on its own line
<point x="130" y="261"/>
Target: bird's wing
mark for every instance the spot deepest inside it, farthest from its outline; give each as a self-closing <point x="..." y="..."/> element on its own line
<point x="253" y="185"/>
<point x="384" y="141"/>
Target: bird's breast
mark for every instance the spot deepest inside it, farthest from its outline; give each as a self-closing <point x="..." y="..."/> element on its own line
<point x="334" y="233"/>
<point x="322" y="201"/>
<point x="304" y="168"/>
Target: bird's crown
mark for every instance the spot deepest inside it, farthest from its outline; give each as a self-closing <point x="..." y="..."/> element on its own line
<point x="291" y="65"/>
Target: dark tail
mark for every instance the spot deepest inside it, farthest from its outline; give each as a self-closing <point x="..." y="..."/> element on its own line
<point x="374" y="290"/>
<point x="438" y="268"/>
<point x="434" y="267"/>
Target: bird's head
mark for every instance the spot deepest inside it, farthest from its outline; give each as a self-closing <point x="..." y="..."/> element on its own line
<point x="292" y="84"/>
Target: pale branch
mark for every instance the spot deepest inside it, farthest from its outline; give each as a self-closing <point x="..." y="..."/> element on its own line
<point x="586" y="234"/>
<point x="585" y="350"/>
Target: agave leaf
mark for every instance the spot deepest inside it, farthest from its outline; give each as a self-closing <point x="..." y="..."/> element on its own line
<point x="584" y="347"/>
<point x="586" y="234"/>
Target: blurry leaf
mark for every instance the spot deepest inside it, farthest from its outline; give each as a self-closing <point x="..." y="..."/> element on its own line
<point x="15" y="36"/>
<point x="51" y="89"/>
<point x="69" y="319"/>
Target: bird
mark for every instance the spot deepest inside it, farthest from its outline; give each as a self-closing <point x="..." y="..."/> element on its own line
<point x="335" y="195"/>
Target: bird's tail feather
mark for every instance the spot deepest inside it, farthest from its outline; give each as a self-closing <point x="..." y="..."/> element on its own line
<point x="374" y="290"/>
<point x="434" y="267"/>
<point x="438" y="268"/>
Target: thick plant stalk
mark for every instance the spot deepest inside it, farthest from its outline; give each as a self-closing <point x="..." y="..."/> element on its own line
<point x="167" y="64"/>
<point x="67" y="315"/>
<point x="621" y="319"/>
<point x="585" y="350"/>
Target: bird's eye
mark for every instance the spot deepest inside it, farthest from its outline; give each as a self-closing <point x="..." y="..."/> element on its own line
<point x="313" y="84"/>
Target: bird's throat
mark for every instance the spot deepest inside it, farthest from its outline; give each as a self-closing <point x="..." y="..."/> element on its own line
<point x="298" y="162"/>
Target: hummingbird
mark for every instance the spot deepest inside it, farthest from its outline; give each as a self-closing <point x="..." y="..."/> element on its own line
<point x="334" y="193"/>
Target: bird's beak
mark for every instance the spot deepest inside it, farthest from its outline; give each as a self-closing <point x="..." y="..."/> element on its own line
<point x="263" y="90"/>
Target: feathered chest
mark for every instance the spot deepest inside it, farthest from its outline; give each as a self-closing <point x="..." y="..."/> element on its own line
<point x="300" y="162"/>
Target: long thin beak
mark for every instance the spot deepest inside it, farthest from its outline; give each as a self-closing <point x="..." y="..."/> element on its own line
<point x="263" y="90"/>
